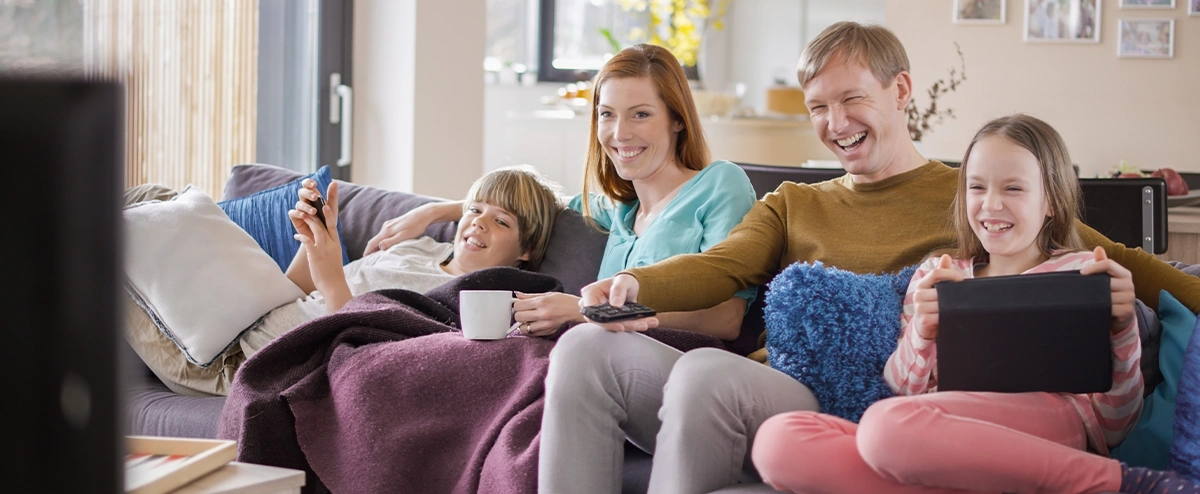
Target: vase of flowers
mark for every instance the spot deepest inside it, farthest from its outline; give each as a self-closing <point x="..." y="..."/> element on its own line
<point x="678" y="26"/>
<point x="921" y="120"/>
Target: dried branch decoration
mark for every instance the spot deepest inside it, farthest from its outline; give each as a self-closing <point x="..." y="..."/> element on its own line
<point x="921" y="122"/>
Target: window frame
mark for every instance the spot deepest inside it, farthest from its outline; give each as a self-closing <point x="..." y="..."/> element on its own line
<point x="545" y="60"/>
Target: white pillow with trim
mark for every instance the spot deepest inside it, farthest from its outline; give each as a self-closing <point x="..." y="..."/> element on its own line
<point x="201" y="278"/>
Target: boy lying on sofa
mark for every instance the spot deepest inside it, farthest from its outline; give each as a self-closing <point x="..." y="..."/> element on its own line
<point x="508" y="215"/>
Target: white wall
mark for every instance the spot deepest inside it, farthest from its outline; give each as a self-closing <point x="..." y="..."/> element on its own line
<point x="384" y="83"/>
<point x="419" y="95"/>
<point x="766" y="37"/>
<point x="439" y="142"/>
<point x="762" y="39"/>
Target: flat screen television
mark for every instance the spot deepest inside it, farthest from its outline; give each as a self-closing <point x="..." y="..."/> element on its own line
<point x="60" y="143"/>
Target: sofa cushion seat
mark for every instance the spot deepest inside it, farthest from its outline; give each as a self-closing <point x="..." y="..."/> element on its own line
<point x="155" y="410"/>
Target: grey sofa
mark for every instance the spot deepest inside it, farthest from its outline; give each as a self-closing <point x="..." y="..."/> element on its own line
<point x="573" y="257"/>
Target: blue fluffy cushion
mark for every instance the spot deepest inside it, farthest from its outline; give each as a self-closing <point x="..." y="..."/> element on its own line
<point x="1185" y="447"/>
<point x="1149" y="443"/>
<point x="834" y="330"/>
<point x="264" y="216"/>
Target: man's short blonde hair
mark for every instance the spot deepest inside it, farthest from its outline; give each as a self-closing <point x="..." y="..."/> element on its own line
<point x="529" y="196"/>
<point x="875" y="47"/>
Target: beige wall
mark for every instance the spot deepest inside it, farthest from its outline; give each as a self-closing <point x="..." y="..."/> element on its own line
<point x="1146" y="111"/>
<point x="418" y="101"/>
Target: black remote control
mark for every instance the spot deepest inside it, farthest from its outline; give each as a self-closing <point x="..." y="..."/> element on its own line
<point x="608" y="313"/>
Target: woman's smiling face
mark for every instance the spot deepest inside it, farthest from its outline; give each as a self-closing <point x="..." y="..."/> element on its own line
<point x="635" y="127"/>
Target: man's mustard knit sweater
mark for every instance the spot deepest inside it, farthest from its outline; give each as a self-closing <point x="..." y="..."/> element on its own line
<point x="865" y="228"/>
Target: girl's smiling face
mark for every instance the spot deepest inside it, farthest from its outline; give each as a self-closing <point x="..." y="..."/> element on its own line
<point x="1006" y="202"/>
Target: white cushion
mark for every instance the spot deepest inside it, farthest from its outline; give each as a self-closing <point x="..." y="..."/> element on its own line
<point x="201" y="278"/>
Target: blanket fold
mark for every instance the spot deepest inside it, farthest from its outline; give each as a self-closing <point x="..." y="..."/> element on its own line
<point x="435" y="414"/>
<point x="387" y="396"/>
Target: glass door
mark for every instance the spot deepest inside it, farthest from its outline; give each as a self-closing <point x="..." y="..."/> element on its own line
<point x="305" y="97"/>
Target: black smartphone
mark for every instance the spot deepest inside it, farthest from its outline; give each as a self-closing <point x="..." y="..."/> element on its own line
<point x="320" y="205"/>
<point x="608" y="313"/>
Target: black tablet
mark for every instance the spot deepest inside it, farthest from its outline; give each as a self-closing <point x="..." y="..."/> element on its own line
<point x="1032" y="332"/>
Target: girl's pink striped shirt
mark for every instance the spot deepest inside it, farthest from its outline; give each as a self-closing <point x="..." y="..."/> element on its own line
<point x="1107" y="417"/>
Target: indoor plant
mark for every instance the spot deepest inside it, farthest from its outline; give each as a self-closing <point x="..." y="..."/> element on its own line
<point x="921" y="121"/>
<point x="677" y="25"/>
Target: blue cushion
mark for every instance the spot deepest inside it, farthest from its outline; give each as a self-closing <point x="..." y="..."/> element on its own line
<point x="1185" y="447"/>
<point x="1149" y="444"/>
<point x="833" y="330"/>
<point x="264" y="216"/>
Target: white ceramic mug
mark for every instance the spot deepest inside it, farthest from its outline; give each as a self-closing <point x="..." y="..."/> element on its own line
<point x="485" y="314"/>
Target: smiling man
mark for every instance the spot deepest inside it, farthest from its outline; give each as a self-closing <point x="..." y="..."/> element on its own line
<point x="889" y="211"/>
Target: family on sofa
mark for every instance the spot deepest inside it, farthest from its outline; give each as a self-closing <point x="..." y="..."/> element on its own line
<point x="690" y="241"/>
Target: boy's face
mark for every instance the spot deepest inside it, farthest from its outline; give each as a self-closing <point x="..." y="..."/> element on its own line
<point x="488" y="236"/>
<point x="858" y="118"/>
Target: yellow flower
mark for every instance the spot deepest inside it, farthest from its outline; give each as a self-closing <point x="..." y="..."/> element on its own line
<point x="673" y="24"/>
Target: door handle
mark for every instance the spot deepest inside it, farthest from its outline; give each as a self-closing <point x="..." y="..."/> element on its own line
<point x="341" y="110"/>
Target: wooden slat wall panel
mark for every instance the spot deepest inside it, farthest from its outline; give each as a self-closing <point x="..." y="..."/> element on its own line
<point x="190" y="68"/>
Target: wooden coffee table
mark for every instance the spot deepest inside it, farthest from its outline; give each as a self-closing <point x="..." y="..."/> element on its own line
<point x="247" y="478"/>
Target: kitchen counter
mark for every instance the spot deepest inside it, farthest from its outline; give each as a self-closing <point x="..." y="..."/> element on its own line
<point x="1183" y="235"/>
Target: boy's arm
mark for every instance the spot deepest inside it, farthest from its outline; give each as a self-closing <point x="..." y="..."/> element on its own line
<point x="412" y="224"/>
<point x="298" y="272"/>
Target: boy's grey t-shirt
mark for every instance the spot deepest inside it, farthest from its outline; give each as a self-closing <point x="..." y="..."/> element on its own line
<point x="412" y="265"/>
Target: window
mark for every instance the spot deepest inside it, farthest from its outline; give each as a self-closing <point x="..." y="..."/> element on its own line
<point x="511" y="38"/>
<point x="573" y="40"/>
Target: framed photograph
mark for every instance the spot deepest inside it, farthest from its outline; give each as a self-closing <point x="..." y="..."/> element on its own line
<point x="156" y="465"/>
<point x="980" y="11"/>
<point x="1146" y="38"/>
<point x="1193" y="7"/>
<point x="1148" y="4"/>
<point x="1062" y="21"/>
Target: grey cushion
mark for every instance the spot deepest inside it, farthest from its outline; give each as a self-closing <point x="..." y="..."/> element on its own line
<point x="575" y="251"/>
<point x="363" y="209"/>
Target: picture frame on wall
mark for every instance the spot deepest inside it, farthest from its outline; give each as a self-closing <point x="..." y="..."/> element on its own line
<point x="1148" y="4"/>
<point x="1146" y="38"/>
<point x="1193" y="7"/>
<point x="1062" y="21"/>
<point x="980" y="11"/>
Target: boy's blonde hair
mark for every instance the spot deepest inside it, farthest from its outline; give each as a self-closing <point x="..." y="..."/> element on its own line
<point x="533" y="199"/>
<point x="1059" y="231"/>
<point x="875" y="47"/>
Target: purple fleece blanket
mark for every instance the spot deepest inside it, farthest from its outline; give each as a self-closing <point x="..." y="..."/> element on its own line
<point x="386" y="396"/>
<point x="363" y="404"/>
